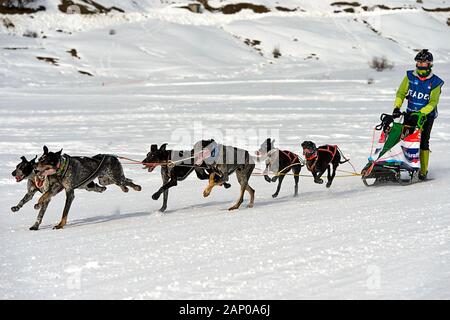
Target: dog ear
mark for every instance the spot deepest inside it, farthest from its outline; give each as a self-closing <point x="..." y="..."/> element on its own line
<point x="59" y="152"/>
<point x="153" y="147"/>
<point x="45" y="150"/>
<point x="23" y="159"/>
<point x="163" y="147"/>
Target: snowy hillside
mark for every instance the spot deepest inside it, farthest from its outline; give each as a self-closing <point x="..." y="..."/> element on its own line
<point x="152" y="72"/>
<point x="153" y="41"/>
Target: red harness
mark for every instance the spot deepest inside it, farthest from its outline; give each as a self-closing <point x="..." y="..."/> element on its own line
<point x="291" y="156"/>
<point x="332" y="149"/>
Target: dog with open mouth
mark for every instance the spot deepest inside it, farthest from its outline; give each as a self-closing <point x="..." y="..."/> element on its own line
<point x="38" y="182"/>
<point x="176" y="165"/>
<point x="79" y="173"/>
<point x="27" y="170"/>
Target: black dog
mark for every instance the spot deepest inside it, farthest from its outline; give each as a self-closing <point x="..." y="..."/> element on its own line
<point x="79" y="173"/>
<point x="222" y="161"/>
<point x="320" y="159"/>
<point x="176" y="165"/>
<point x="280" y="162"/>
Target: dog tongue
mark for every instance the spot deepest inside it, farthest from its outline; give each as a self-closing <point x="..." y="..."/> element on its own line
<point x="49" y="172"/>
<point x="18" y="178"/>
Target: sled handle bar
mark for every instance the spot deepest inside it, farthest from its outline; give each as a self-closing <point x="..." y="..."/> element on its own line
<point x="386" y="119"/>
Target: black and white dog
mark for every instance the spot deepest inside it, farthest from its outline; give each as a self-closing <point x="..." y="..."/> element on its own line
<point x="326" y="157"/>
<point x="280" y="162"/>
<point x="222" y="161"/>
<point x="79" y="173"/>
<point x="26" y="170"/>
<point x="176" y="165"/>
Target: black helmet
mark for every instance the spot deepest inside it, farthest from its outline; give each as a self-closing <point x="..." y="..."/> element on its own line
<point x="424" y="56"/>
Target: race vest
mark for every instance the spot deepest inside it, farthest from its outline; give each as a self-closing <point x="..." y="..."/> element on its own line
<point x="419" y="92"/>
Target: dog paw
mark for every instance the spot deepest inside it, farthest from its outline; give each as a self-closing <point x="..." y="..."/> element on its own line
<point x="319" y="181"/>
<point x="102" y="189"/>
<point x="206" y="193"/>
<point x="15" y="209"/>
<point x="37" y="206"/>
<point x="250" y="205"/>
<point x="274" y="179"/>
<point x="138" y="188"/>
<point x="233" y="208"/>
<point x="34" y="227"/>
<point x="267" y="179"/>
<point x="328" y="184"/>
<point x="58" y="226"/>
<point x="156" y="196"/>
<point x="275" y="195"/>
<point x="162" y="209"/>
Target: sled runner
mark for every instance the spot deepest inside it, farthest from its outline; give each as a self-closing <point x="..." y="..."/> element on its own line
<point x="396" y="156"/>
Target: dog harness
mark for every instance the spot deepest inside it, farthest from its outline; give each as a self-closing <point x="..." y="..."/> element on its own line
<point x="332" y="149"/>
<point x="293" y="157"/>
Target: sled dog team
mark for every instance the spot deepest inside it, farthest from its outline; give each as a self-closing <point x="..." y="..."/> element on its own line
<point x="54" y="172"/>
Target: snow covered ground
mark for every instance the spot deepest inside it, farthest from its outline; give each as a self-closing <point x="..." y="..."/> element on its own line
<point x="183" y="76"/>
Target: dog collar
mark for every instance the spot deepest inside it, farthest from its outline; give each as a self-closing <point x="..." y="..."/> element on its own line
<point x="312" y="157"/>
<point x="62" y="166"/>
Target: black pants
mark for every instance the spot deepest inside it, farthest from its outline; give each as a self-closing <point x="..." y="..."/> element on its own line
<point x="426" y="132"/>
<point x="426" y="129"/>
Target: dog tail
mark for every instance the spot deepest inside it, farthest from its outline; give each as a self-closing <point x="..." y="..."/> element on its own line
<point x="343" y="156"/>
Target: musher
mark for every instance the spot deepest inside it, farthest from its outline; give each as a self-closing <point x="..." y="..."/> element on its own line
<point x="422" y="88"/>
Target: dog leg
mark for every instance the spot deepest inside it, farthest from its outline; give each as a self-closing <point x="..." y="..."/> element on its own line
<point x="165" y="197"/>
<point x="243" y="181"/>
<point x="240" y="200"/>
<point x="40" y="216"/>
<point x="317" y="178"/>
<point x="43" y="199"/>
<point x="296" y="171"/>
<point x="129" y="182"/>
<point x="70" y="195"/>
<point x="251" y="191"/>
<point x="266" y="176"/>
<point x="331" y="178"/>
<point x="280" y="181"/>
<point x="172" y="183"/>
<point x="210" y="186"/>
<point x="92" y="186"/>
<point x="28" y="196"/>
<point x="203" y="175"/>
<point x="165" y="179"/>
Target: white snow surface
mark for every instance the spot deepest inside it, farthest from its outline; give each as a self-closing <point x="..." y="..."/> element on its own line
<point x="163" y="75"/>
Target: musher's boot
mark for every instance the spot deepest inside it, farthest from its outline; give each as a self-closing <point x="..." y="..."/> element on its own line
<point x="424" y="156"/>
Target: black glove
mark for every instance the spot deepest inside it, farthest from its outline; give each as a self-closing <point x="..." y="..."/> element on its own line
<point x="396" y="113"/>
<point x="411" y="119"/>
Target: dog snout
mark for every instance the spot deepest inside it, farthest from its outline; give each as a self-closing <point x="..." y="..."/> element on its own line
<point x="14" y="173"/>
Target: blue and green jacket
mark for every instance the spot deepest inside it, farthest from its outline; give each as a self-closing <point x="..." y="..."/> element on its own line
<point x="422" y="93"/>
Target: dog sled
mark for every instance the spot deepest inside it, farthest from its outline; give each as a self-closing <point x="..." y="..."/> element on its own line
<point x="396" y="155"/>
